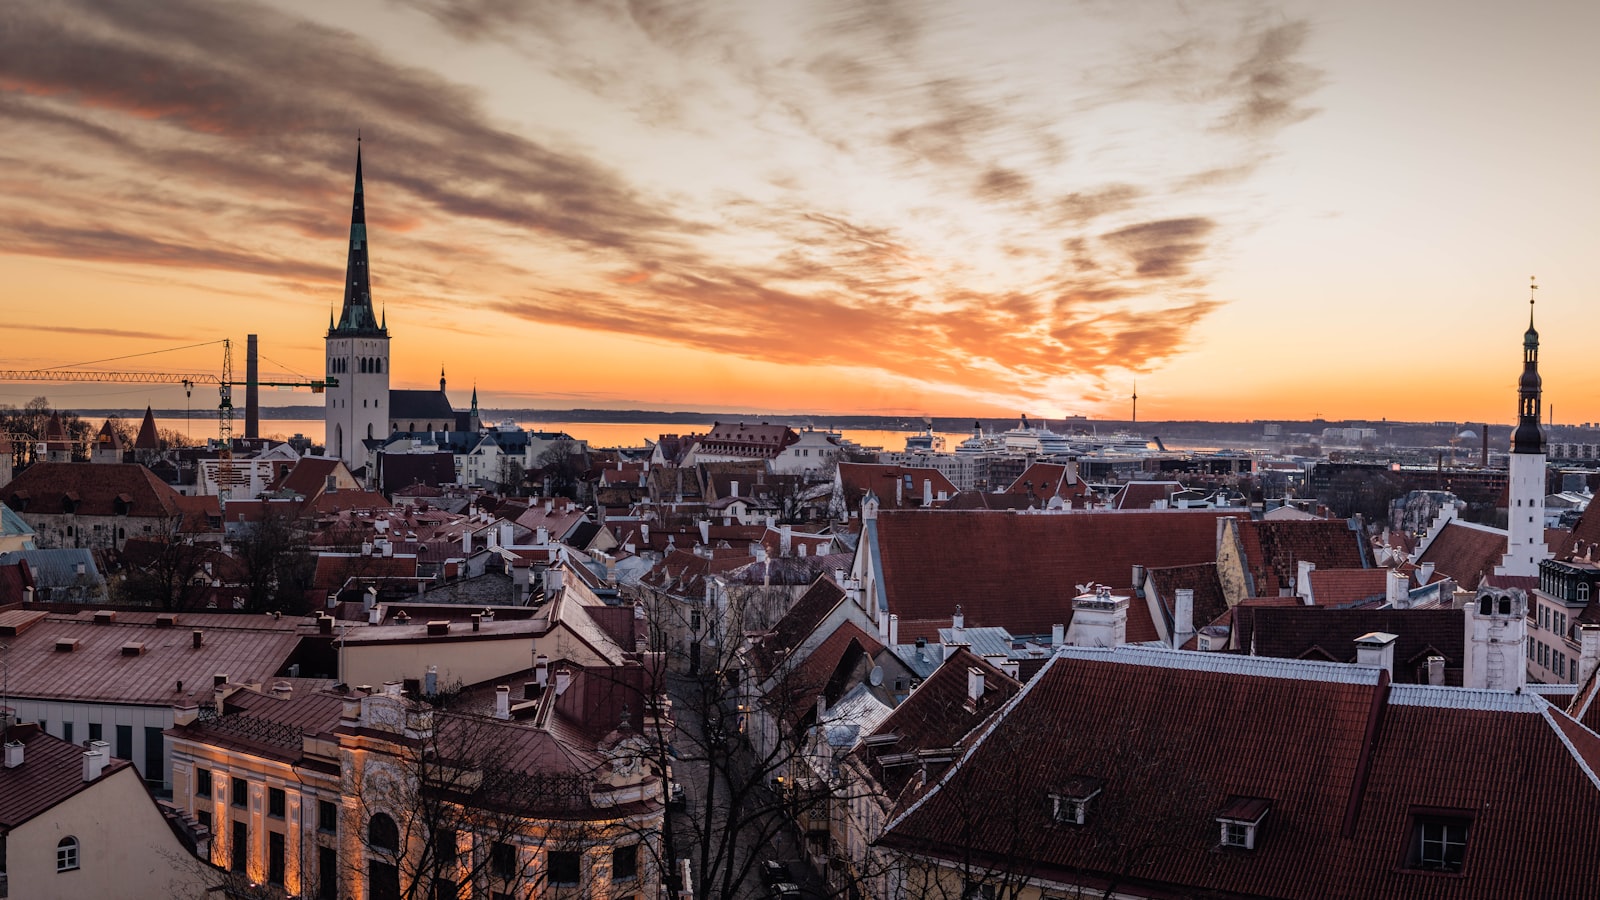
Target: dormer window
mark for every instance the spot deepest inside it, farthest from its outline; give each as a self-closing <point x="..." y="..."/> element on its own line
<point x="1069" y="803"/>
<point x="1240" y="821"/>
<point x="1438" y="841"/>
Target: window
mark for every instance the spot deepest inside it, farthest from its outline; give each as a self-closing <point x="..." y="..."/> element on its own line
<point x="1240" y="821"/>
<point x="202" y="782"/>
<point x="1235" y="835"/>
<point x="445" y="889"/>
<point x="1439" y="842"/>
<point x="382" y="833"/>
<point x="327" y="873"/>
<point x="154" y="756"/>
<point x="240" y="847"/>
<point x="383" y="880"/>
<point x="275" y="802"/>
<point x="444" y="845"/>
<point x="124" y="742"/>
<point x="327" y="816"/>
<point x="66" y="732"/>
<point x="1069" y="804"/>
<point x="241" y="793"/>
<point x="564" y="865"/>
<point x="274" y="858"/>
<point x="1583" y="592"/>
<point x="503" y="861"/>
<point x="67" y="854"/>
<point x="625" y="862"/>
<point x="94" y="731"/>
<point x="203" y="816"/>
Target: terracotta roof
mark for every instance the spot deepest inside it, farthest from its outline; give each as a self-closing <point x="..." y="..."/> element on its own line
<point x="1144" y="494"/>
<point x="1345" y="762"/>
<point x="798" y="623"/>
<point x="858" y="478"/>
<point x="1047" y="480"/>
<point x="1312" y="632"/>
<point x="1020" y="572"/>
<point x="1209" y="601"/>
<point x="335" y="569"/>
<point x="1275" y="549"/>
<point x="1465" y="552"/>
<point x="936" y="715"/>
<point x="796" y="693"/>
<point x="100" y="489"/>
<point x="51" y="772"/>
<point x="1344" y="587"/>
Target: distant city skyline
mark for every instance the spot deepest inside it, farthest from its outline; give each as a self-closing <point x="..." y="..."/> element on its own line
<point x="1257" y="210"/>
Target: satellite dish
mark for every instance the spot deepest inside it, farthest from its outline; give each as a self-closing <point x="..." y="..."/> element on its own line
<point x="875" y="677"/>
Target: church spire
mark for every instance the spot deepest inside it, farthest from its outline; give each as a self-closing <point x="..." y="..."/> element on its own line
<point x="1529" y="436"/>
<point x="357" y="317"/>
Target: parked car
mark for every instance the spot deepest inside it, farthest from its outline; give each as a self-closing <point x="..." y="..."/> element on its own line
<point x="774" y="872"/>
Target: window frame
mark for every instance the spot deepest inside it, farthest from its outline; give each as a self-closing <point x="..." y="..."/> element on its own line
<point x="564" y="857"/>
<point x="202" y="782"/>
<point x="69" y="854"/>
<point x="632" y="858"/>
<point x="277" y="802"/>
<point x="1431" y="852"/>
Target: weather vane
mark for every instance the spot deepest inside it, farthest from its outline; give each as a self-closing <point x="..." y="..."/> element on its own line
<point x="1533" y="285"/>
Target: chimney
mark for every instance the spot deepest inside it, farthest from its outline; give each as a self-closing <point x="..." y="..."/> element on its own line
<point x="1138" y="579"/>
<point x="552" y="581"/>
<point x="493" y="537"/>
<point x="1589" y="650"/>
<point x="1436" y="670"/>
<point x="219" y="679"/>
<point x="505" y="534"/>
<point x="1425" y="573"/>
<point x="477" y="621"/>
<point x="1182" y="616"/>
<point x="822" y="707"/>
<point x="644" y="532"/>
<point x="541" y="536"/>
<point x="94" y="760"/>
<point x="974" y="684"/>
<point x="785" y="540"/>
<point x="563" y="681"/>
<point x="13" y="754"/>
<point x="198" y="638"/>
<point x="350" y="715"/>
<point x="927" y="492"/>
<point x="705" y="531"/>
<point x="388" y="547"/>
<point x="466" y="542"/>
<point x="541" y="670"/>
<point x="502" y="701"/>
<point x="369" y="598"/>
<point x="325" y="624"/>
<point x="375" y="615"/>
<point x="1100" y="619"/>
<point x="1399" y="593"/>
<point x="1302" y="581"/>
<point x="366" y="548"/>
<point x="1058" y="634"/>
<point x="894" y="629"/>
<point x="1376" y="649"/>
<point x="958" y="626"/>
<point x="430" y="681"/>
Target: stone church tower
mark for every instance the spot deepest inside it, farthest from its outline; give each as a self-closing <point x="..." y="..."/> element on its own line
<point x="357" y="355"/>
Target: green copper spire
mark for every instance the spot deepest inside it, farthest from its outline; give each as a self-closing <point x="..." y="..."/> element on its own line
<point x="357" y="317"/>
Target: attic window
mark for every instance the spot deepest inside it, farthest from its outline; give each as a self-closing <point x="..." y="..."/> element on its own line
<point x="1438" y="841"/>
<point x="1069" y="803"/>
<point x="1240" y="821"/>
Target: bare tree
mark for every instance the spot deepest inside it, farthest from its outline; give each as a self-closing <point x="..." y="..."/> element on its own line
<point x="165" y="570"/>
<point x="275" y="564"/>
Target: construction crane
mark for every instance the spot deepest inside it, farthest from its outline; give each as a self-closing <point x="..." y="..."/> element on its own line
<point x="224" y="382"/>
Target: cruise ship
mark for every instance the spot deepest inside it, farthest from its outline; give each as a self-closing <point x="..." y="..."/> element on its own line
<point x="1041" y="440"/>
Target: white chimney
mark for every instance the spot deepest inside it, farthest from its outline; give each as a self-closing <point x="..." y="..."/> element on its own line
<point x="733" y="489"/>
<point x="785" y="540"/>
<point x="491" y="535"/>
<point x="822" y="707"/>
<point x="1058" y="634"/>
<point x="927" y="492"/>
<point x="94" y="760"/>
<point x="1100" y="619"/>
<point x="1588" y="650"/>
<point x="1436" y="670"/>
<point x="1302" y="581"/>
<point x="644" y="532"/>
<point x="1182" y="616"/>
<point x="1399" y="593"/>
<point x="1376" y="649"/>
<point x="958" y="626"/>
<point x="13" y="754"/>
<point x="505" y="534"/>
<point x="502" y="701"/>
<point x="368" y="598"/>
<point x="375" y="615"/>
<point x="563" y="681"/>
<point x="974" y="684"/>
<point x="366" y="548"/>
<point x="705" y="531"/>
<point x="541" y="670"/>
<point x="388" y="548"/>
<point x="1425" y="573"/>
<point x="466" y="542"/>
<point x="894" y="629"/>
<point x="552" y="581"/>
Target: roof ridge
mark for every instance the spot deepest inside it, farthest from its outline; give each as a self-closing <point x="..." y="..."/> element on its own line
<point x="1450" y="697"/>
<point x="1566" y="741"/>
<point x="1228" y="663"/>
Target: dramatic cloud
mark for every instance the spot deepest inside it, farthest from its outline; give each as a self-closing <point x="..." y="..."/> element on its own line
<point x="906" y="187"/>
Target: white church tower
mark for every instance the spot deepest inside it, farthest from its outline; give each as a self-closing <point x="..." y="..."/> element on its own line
<point x="357" y="355"/>
<point x="1525" y="546"/>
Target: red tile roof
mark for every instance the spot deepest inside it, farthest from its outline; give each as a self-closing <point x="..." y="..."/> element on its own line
<point x="888" y="482"/>
<point x="794" y="697"/>
<point x="1344" y="587"/>
<point x="100" y="489"/>
<point x="1275" y="549"/>
<point x="1045" y="480"/>
<point x="1313" y="632"/>
<point x="1465" y="552"/>
<point x="1021" y="572"/>
<point x="51" y="772"/>
<point x="1209" y="601"/>
<point x="1144" y="494"/>
<point x="1345" y="762"/>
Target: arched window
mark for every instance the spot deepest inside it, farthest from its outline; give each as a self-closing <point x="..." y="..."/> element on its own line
<point x="1583" y="592"/>
<point x="377" y="365"/>
<point x="67" y="854"/>
<point x="1486" y="606"/>
<point x="382" y="834"/>
<point x="1505" y="606"/>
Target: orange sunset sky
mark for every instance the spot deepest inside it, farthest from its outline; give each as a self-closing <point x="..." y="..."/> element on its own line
<point x="1255" y="210"/>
